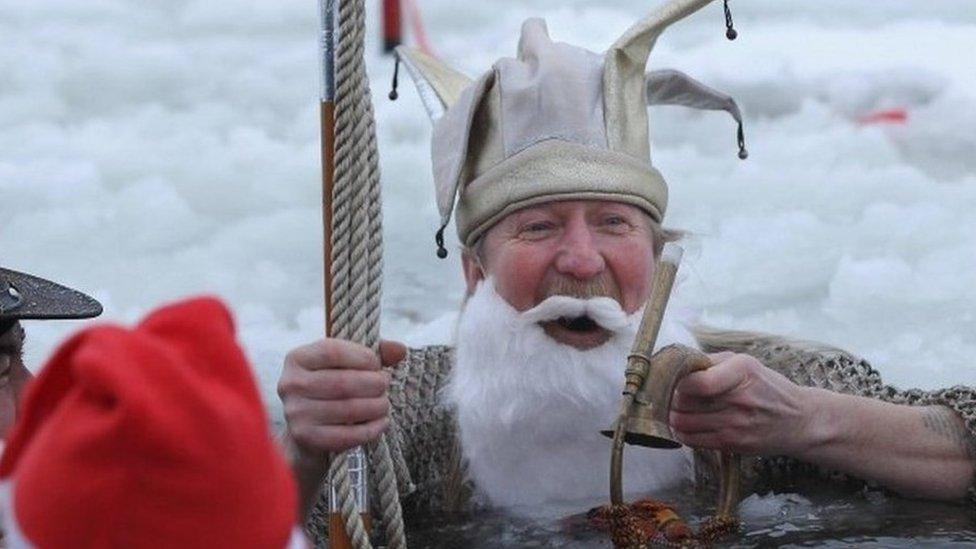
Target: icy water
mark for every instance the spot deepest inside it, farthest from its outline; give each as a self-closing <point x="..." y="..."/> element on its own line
<point x="827" y="519"/>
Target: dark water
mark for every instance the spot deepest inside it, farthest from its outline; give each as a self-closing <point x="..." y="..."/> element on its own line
<point x="826" y="519"/>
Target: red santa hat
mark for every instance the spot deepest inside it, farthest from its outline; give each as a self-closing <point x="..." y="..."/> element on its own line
<point x="147" y="438"/>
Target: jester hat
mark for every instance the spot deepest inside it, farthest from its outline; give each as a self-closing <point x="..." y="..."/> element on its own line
<point x="557" y="122"/>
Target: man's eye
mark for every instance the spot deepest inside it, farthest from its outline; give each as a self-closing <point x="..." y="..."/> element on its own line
<point x="615" y="221"/>
<point x="538" y="227"/>
<point x="537" y="230"/>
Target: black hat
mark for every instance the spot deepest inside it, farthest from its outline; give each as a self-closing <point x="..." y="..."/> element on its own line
<point x="23" y="296"/>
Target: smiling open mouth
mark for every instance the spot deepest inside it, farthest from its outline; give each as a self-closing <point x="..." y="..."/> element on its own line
<point x="581" y="332"/>
<point x="580" y="324"/>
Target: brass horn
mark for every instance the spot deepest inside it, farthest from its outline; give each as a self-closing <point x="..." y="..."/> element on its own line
<point x="650" y="383"/>
<point x="647" y="419"/>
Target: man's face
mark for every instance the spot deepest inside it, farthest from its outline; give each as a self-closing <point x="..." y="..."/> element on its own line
<point x="13" y="375"/>
<point x="580" y="248"/>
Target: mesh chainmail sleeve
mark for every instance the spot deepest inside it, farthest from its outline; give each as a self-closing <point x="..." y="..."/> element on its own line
<point x="816" y="365"/>
<point x="427" y="428"/>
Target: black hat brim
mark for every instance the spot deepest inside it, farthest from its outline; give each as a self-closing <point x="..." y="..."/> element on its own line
<point x="42" y="299"/>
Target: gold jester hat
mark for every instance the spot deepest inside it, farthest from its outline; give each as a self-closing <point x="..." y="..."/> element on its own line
<point x="557" y="122"/>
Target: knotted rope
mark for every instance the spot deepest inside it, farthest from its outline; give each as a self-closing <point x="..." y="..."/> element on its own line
<point x="357" y="257"/>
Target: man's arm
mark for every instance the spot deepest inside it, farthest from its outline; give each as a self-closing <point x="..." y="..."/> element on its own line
<point x="310" y="470"/>
<point x="335" y="396"/>
<point x="740" y="405"/>
<point x="923" y="451"/>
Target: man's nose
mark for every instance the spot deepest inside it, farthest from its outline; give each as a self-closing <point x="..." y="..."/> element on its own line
<point x="579" y="255"/>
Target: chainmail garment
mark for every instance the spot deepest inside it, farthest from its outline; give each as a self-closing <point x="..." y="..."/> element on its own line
<point x="426" y="429"/>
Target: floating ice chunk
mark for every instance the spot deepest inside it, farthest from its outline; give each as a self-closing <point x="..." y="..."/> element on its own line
<point x="774" y="507"/>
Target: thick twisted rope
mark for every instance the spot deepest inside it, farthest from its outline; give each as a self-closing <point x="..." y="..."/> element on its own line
<point x="357" y="262"/>
<point x="342" y="484"/>
<point x="344" y="183"/>
<point x="391" y="513"/>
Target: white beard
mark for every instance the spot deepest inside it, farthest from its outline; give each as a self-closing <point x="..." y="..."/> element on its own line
<point x="530" y="409"/>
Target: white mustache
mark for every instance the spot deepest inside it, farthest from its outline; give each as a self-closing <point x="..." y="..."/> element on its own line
<point x="605" y="311"/>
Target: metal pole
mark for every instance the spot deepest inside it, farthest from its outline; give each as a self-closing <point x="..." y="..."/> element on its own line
<point x="327" y="16"/>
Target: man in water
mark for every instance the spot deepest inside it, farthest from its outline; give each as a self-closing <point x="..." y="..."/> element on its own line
<point x="27" y="297"/>
<point x="560" y="212"/>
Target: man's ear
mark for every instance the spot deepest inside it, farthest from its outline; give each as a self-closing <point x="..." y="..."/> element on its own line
<point x="473" y="271"/>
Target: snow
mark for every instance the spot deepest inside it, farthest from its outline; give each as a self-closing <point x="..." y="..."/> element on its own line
<point x="156" y="149"/>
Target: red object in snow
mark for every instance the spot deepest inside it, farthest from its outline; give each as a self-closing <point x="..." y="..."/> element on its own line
<point x="886" y="116"/>
<point x="391" y="25"/>
<point x="417" y="27"/>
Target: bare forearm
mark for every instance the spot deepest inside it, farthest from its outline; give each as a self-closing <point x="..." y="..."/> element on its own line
<point x="917" y="451"/>
<point x="310" y="472"/>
